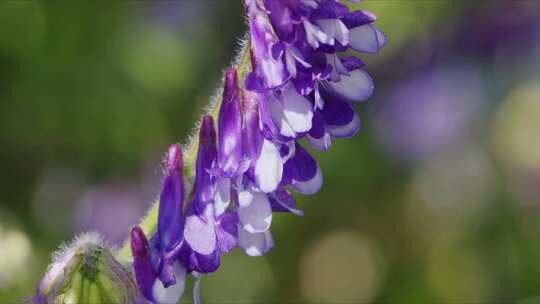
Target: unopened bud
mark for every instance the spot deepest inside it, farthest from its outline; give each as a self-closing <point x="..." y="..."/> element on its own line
<point x="86" y="272"/>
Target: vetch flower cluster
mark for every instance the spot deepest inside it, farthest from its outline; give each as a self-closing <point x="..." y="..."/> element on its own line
<point x="299" y="86"/>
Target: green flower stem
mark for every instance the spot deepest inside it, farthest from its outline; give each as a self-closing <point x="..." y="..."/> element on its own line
<point x="149" y="222"/>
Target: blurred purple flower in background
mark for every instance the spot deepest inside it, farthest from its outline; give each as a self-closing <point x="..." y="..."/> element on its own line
<point x="431" y="112"/>
<point x="111" y="208"/>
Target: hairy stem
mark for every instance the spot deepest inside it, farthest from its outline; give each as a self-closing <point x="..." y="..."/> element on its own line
<point x="148" y="224"/>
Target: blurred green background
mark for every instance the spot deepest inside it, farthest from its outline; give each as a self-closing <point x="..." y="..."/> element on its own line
<point x="437" y="199"/>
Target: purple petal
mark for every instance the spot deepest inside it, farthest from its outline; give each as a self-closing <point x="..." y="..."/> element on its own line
<point x="170" y="222"/>
<point x="271" y="71"/>
<point x="337" y="112"/>
<point x="251" y="136"/>
<point x="330" y="10"/>
<point x="302" y="166"/>
<point x="318" y="125"/>
<point x="347" y="130"/>
<point x="206" y="156"/>
<point x="311" y="186"/>
<point x="352" y="63"/>
<point x="283" y="201"/>
<point x="142" y="265"/>
<point x="199" y="262"/>
<point x="173" y="293"/>
<point x="227" y="232"/>
<point x="358" y="18"/>
<point x="208" y="263"/>
<point x="230" y="126"/>
<point x="281" y="18"/>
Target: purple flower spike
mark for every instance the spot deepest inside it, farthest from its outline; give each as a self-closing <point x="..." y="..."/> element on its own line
<point x="230" y="126"/>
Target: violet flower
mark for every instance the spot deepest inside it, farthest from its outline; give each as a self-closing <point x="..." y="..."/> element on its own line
<point x="299" y="87"/>
<point x="296" y="85"/>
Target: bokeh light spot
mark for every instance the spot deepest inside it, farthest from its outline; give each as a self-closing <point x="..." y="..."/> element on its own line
<point x="340" y="267"/>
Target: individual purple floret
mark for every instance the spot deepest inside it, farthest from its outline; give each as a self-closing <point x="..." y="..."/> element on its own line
<point x="144" y="266"/>
<point x="209" y="232"/>
<point x="159" y="275"/>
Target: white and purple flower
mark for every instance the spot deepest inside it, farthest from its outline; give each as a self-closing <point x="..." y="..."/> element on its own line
<point x="299" y="86"/>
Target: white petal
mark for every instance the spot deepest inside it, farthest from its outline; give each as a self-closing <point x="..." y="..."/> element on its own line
<point x="255" y="244"/>
<point x="273" y="70"/>
<point x="222" y="197"/>
<point x="256" y="217"/>
<point x="296" y="109"/>
<point x="292" y="148"/>
<point x="364" y="38"/>
<point x="298" y="56"/>
<point x="347" y="130"/>
<point x="276" y="112"/>
<point x="319" y="102"/>
<point x="201" y="236"/>
<point x="335" y="29"/>
<point x="358" y="86"/>
<point x="311" y="3"/>
<point x="245" y="197"/>
<point x="315" y="35"/>
<point x="171" y="294"/>
<point x="321" y="144"/>
<point x="342" y="33"/>
<point x="311" y="186"/>
<point x="337" y="67"/>
<point x="291" y="63"/>
<point x="268" y="167"/>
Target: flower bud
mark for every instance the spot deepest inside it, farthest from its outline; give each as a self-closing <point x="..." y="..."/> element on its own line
<point x="86" y="272"/>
